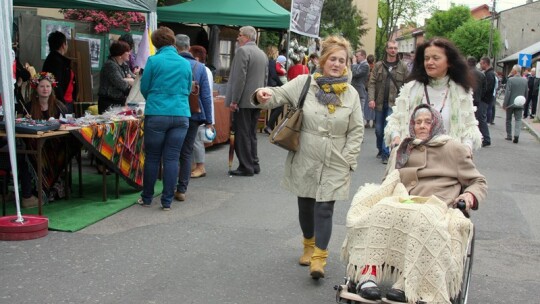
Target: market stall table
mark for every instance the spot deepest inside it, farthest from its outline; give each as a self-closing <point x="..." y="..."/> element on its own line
<point x="119" y="146"/>
<point x="40" y="138"/>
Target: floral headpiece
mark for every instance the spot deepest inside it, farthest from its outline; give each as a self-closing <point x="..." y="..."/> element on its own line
<point x="34" y="81"/>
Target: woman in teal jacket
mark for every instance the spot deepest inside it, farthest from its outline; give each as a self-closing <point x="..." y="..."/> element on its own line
<point x="166" y="84"/>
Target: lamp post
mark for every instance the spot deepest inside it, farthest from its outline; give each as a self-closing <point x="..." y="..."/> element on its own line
<point x="493" y="13"/>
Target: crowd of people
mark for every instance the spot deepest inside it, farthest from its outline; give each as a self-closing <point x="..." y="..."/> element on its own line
<point x="430" y="112"/>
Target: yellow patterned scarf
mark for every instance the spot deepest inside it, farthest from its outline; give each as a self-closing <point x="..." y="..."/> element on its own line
<point x="330" y="89"/>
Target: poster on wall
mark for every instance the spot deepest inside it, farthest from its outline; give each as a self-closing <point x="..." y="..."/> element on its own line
<point x="306" y="17"/>
<point x="95" y="43"/>
<point x="49" y="26"/>
<point x="137" y="37"/>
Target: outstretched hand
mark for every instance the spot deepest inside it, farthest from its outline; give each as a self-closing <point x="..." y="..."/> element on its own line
<point x="263" y="95"/>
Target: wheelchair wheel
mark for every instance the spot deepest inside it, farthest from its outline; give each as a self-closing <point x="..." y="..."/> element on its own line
<point x="467" y="272"/>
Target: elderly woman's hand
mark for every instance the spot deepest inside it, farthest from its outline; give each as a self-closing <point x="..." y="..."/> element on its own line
<point x="468" y="198"/>
<point x="395" y="142"/>
<point x="263" y="95"/>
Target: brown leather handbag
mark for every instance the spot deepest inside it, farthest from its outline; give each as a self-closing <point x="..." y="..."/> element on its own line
<point x="194" y="105"/>
<point x="287" y="132"/>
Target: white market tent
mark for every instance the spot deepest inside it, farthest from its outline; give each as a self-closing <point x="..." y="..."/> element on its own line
<point x="6" y="75"/>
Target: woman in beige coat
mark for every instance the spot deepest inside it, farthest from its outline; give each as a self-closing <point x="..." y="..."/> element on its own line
<point x="332" y="131"/>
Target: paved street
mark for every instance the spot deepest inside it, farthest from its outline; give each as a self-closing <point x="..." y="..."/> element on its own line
<point x="237" y="240"/>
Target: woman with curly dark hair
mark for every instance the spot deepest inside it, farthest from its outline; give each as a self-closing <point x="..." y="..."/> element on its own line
<point x="439" y="77"/>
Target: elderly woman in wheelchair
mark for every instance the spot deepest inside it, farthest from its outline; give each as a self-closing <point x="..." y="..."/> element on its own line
<point x="405" y="230"/>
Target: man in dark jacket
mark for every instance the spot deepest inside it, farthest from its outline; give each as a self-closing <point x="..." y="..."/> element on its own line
<point x="60" y="66"/>
<point x="488" y="99"/>
<point x="479" y="88"/>
<point x="532" y="98"/>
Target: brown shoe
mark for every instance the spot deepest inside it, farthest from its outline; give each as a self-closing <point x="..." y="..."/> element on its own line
<point x="198" y="173"/>
<point x="29" y="202"/>
<point x="179" y="196"/>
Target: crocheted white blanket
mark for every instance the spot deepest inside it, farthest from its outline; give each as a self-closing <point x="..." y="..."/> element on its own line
<point x="420" y="246"/>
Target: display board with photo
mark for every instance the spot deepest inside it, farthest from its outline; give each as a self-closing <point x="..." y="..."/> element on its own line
<point x="95" y="43"/>
<point x="49" y="26"/>
<point x="137" y="37"/>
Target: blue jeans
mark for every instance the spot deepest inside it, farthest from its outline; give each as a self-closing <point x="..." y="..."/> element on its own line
<point x="380" y="124"/>
<point x="163" y="137"/>
<point x="185" y="156"/>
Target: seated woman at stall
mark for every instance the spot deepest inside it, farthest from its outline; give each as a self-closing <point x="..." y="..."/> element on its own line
<point x="405" y="231"/>
<point x="44" y="105"/>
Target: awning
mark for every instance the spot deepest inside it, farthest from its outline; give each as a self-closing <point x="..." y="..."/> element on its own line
<point x="257" y="13"/>
<point x="532" y="49"/>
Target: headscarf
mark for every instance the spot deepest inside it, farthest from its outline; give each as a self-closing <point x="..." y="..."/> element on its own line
<point x="437" y="129"/>
<point x="330" y="88"/>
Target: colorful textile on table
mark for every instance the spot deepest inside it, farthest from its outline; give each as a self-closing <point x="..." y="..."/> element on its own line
<point x="119" y="145"/>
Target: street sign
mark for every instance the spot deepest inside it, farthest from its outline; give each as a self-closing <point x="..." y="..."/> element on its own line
<point x="525" y="60"/>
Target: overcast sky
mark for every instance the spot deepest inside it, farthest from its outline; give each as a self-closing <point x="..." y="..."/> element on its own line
<point x="501" y="4"/>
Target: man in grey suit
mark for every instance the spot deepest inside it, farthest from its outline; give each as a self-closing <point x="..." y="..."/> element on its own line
<point x="360" y="74"/>
<point x="515" y="86"/>
<point x="249" y="72"/>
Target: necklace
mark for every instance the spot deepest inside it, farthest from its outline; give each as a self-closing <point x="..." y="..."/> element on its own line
<point x="444" y="99"/>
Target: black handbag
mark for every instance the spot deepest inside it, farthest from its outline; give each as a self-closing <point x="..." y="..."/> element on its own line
<point x="287" y="132"/>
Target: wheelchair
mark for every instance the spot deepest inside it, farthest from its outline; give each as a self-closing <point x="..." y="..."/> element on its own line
<point x="346" y="293"/>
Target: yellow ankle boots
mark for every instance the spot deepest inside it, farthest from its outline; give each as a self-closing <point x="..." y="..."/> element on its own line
<point x="309" y="247"/>
<point x="318" y="261"/>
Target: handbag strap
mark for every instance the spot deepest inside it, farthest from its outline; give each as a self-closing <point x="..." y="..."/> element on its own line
<point x="304" y="92"/>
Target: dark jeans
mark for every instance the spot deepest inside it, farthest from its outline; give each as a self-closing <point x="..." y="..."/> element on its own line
<point x="380" y="124"/>
<point x="163" y="138"/>
<point x="481" y="116"/>
<point x="491" y="112"/>
<point x="185" y="156"/>
<point x="531" y="102"/>
<point x="316" y="220"/>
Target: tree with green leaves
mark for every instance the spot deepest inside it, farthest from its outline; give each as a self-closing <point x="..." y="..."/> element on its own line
<point x="444" y="23"/>
<point x="341" y="17"/>
<point x="472" y="38"/>
<point x="393" y="12"/>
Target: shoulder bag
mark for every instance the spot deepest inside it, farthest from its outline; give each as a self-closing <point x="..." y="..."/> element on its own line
<point x="194" y="95"/>
<point x="287" y="132"/>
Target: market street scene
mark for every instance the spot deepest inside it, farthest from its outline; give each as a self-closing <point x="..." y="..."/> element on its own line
<point x="291" y="151"/>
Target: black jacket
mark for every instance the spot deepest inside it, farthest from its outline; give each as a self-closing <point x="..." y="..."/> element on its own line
<point x="60" y="66"/>
<point x="490" y="85"/>
<point x="273" y="78"/>
<point x="532" y="83"/>
<point x="479" y="89"/>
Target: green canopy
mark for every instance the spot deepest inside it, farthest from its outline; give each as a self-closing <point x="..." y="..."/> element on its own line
<point x="119" y="5"/>
<point x="257" y="13"/>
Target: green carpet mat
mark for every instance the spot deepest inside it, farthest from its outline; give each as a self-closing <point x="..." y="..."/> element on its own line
<point x="79" y="212"/>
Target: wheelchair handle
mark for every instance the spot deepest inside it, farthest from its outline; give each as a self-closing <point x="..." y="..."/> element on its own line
<point x="461" y="205"/>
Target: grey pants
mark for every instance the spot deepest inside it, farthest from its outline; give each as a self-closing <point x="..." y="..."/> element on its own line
<point x="518" y="114"/>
